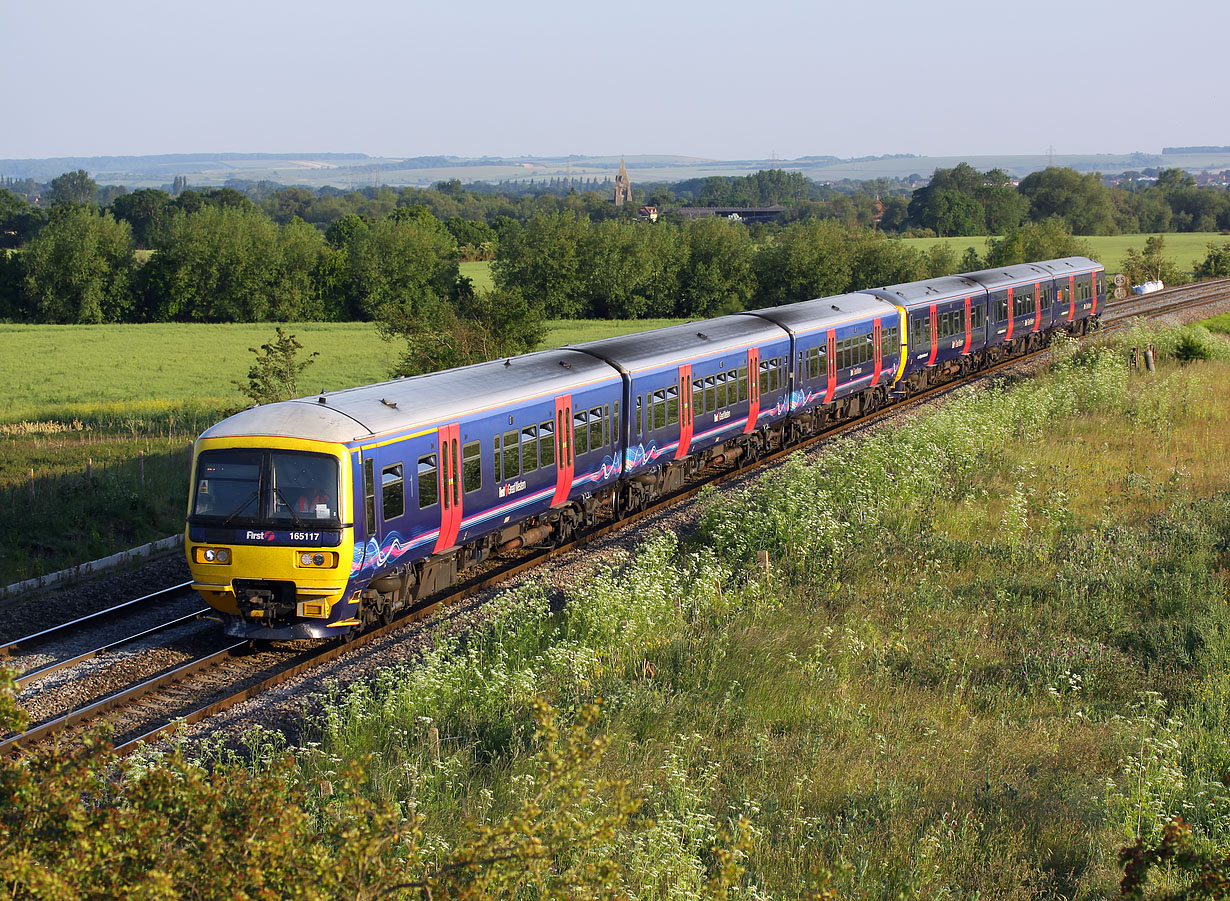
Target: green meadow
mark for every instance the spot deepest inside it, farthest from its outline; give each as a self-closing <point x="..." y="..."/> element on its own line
<point x="1185" y="248"/>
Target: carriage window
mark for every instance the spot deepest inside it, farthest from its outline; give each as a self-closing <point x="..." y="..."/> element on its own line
<point x="672" y="405"/>
<point x="392" y="496"/>
<point x="512" y="456"/>
<point x="595" y="428"/>
<point x="428" y="481"/>
<point x="606" y="424"/>
<point x="529" y="448"/>
<point x="658" y="409"/>
<point x="721" y="390"/>
<point x="742" y="383"/>
<point x="546" y="443"/>
<point x="495" y="463"/>
<point x="580" y="432"/>
<point x="369" y="493"/>
<point x="698" y="397"/>
<point x="472" y="466"/>
<point x="638" y="415"/>
<point x="710" y="393"/>
<point x="764" y="376"/>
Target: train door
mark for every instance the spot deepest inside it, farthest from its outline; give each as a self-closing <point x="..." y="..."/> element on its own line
<point x="1071" y="297"/>
<point x="753" y="389"/>
<point x="1011" y="316"/>
<point x="877" y="342"/>
<point x="1037" y="306"/>
<point x="969" y="324"/>
<point x="449" y="485"/>
<point x="686" y="414"/>
<point x="935" y="335"/>
<point x="564" y="463"/>
<point x="830" y="357"/>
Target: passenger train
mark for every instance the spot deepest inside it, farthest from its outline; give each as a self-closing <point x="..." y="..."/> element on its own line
<point x="320" y="516"/>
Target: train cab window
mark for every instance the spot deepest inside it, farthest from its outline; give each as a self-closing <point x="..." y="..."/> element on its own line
<point x="742" y="383"/>
<point x="512" y="456"/>
<point x="429" y="488"/>
<point x="472" y="466"/>
<point x="596" y="428"/>
<point x="580" y="432"/>
<point x="672" y="405"/>
<point x="546" y="443"/>
<point x="529" y="448"/>
<point x="392" y="492"/>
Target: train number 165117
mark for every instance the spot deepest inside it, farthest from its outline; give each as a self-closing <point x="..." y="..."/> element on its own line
<point x="305" y="536"/>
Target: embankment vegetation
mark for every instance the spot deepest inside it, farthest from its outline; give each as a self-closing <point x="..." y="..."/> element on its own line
<point x="989" y="652"/>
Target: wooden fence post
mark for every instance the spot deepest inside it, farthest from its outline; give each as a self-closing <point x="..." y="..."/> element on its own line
<point x="31" y="483"/>
<point x="141" y="468"/>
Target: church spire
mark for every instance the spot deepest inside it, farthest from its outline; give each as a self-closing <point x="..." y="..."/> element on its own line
<point x="623" y="187"/>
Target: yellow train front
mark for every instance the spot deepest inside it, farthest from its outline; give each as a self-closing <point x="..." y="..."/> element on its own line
<point x="270" y="531"/>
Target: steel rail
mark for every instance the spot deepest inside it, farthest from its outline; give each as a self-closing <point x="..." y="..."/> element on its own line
<point x="42" y="672"/>
<point x="119" y="698"/>
<point x="7" y="649"/>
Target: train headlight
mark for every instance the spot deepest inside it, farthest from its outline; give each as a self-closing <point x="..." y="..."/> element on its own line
<point x="212" y="555"/>
<point x="316" y="559"/>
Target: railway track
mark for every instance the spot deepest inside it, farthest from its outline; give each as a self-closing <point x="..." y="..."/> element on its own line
<point x="213" y="682"/>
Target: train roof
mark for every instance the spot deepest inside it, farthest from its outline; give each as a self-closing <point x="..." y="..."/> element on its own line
<point x="680" y="343"/>
<point x="1071" y="265"/>
<point x="991" y="279"/>
<point x="824" y="312"/>
<point x="354" y="414"/>
<point x="930" y="290"/>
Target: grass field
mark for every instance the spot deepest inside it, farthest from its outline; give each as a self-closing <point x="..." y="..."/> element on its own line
<point x="1186" y="249"/>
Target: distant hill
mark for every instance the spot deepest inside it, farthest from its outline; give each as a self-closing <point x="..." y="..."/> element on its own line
<point x="359" y="170"/>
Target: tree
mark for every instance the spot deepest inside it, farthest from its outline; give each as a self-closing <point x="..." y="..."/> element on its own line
<point x="1216" y="263"/>
<point x="716" y="276"/>
<point x="79" y="268"/>
<point x="398" y="265"/>
<point x="274" y="374"/>
<point x="147" y="211"/>
<point x="805" y="260"/>
<point x="217" y="264"/>
<point x="1082" y="201"/>
<point x="1049" y="240"/>
<point x="72" y="189"/>
<point x="479" y="327"/>
<point x="542" y="259"/>
<point x="19" y="221"/>
<point x="1152" y="264"/>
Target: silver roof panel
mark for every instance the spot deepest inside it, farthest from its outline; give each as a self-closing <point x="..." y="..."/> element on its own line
<point x="825" y="312"/>
<point x="680" y="343"/>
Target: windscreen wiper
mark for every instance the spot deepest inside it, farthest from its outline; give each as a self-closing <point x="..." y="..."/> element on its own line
<point x="251" y="497"/>
<point x="291" y="510"/>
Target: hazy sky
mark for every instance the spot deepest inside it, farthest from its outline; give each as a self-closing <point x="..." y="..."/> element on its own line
<point x="709" y="78"/>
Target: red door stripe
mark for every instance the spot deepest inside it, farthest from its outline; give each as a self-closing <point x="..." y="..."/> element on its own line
<point x="969" y="324"/>
<point x="831" y="364"/>
<point x="753" y="388"/>
<point x="564" y="464"/>
<point x="1071" y="297"/>
<point x="935" y="337"/>
<point x="877" y="351"/>
<point x="685" y="411"/>
<point x="1011" y="317"/>
<point x="448" y="456"/>
<point x="1037" y="305"/>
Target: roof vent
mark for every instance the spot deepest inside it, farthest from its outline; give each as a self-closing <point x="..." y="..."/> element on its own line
<point x="321" y="399"/>
<point x="835" y="307"/>
<point x="508" y="362"/>
<point x="389" y="403"/>
<point x="702" y="336"/>
<point x="565" y="364"/>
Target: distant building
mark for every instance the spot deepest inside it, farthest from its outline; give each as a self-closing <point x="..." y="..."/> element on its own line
<point x="623" y="187"/>
<point x="648" y="212"/>
<point x="734" y="213"/>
